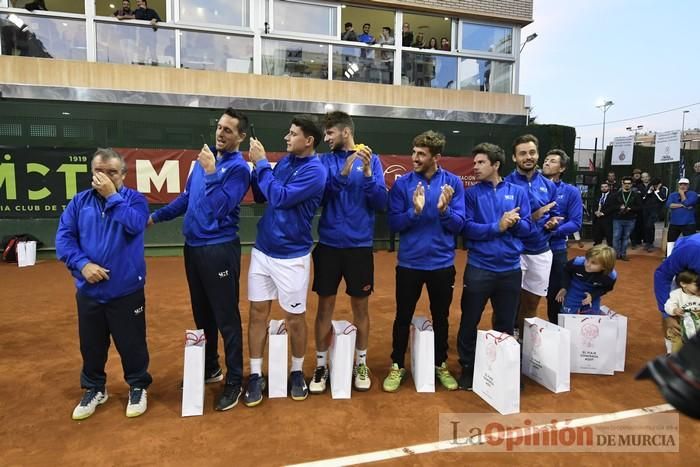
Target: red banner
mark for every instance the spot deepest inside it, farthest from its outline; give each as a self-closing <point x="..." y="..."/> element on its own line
<point x="161" y="174"/>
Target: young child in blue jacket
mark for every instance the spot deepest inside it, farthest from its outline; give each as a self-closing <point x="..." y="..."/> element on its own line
<point x="586" y="279"/>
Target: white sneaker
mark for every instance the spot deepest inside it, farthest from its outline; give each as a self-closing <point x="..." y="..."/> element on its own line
<point x="91" y="399"/>
<point x="317" y="385"/>
<point x="362" y="379"/>
<point x="137" y="402"/>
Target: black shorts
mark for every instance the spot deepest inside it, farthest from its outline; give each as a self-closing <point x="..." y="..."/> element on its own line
<point x="355" y="265"/>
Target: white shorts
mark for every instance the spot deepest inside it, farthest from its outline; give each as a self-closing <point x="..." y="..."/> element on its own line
<point x="536" y="270"/>
<point x="284" y="279"/>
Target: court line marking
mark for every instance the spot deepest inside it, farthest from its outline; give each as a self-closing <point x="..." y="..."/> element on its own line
<point x="425" y="448"/>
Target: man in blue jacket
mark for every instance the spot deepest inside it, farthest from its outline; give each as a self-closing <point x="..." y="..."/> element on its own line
<point x="280" y="263"/>
<point x="211" y="205"/>
<point x="570" y="208"/>
<point x="497" y="216"/>
<point x="100" y="238"/>
<point x="355" y="189"/>
<point x="682" y="205"/>
<point x="426" y="207"/>
<point x="536" y="260"/>
<point x="685" y="255"/>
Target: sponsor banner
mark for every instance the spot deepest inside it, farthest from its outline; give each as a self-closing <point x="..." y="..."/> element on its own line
<point x="622" y="150"/>
<point x="651" y="429"/>
<point x="668" y="147"/>
<point x="39" y="182"/>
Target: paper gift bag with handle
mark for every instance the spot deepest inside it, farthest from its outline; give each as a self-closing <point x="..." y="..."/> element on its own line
<point x="423" y="354"/>
<point x="497" y="371"/>
<point x="546" y="359"/>
<point x="26" y="254"/>
<point x="593" y="343"/>
<point x="193" y="375"/>
<point x="277" y="359"/>
<point x="621" y="342"/>
<point x="342" y="355"/>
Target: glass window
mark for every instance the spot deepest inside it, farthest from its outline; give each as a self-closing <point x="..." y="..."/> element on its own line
<point x="127" y="43"/>
<point x="301" y="59"/>
<point x="227" y="12"/>
<point x="108" y="7"/>
<point x="486" y="75"/>
<point x="426" y="32"/>
<point x="304" y="18"/>
<point x="487" y="38"/>
<point x="362" y="64"/>
<point x="40" y="36"/>
<point x="376" y="20"/>
<point x="430" y="71"/>
<point x="206" y="51"/>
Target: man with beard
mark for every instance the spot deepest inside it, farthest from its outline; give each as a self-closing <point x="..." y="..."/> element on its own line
<point x="536" y="260"/>
<point x="426" y="207"/>
<point x="355" y="190"/>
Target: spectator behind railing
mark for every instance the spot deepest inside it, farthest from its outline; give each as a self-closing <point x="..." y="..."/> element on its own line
<point x="445" y="44"/>
<point x="349" y="34"/>
<point x="125" y="12"/>
<point x="419" y="42"/>
<point x="144" y="13"/>
<point x="432" y="43"/>
<point x="36" y="5"/>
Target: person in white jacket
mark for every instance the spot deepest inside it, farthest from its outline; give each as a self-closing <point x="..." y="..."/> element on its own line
<point x="684" y="299"/>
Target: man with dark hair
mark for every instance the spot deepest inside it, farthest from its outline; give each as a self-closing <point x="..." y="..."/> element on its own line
<point x="624" y="206"/>
<point x="211" y="205"/>
<point x="354" y="191"/>
<point x="349" y="34"/>
<point x="536" y="260"/>
<point x="100" y="238"/>
<point x="612" y="182"/>
<point x="407" y="35"/>
<point x="366" y="37"/>
<point x="280" y="263"/>
<point x="497" y="216"/>
<point x="602" y="220"/>
<point x="652" y="209"/>
<point x="144" y="13"/>
<point x="570" y="207"/>
<point x="125" y="11"/>
<point x="426" y="207"/>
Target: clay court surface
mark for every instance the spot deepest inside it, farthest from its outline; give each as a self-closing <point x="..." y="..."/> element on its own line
<point x="40" y="386"/>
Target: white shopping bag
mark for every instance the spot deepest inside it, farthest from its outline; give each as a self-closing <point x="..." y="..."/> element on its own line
<point x="342" y="354"/>
<point x="497" y="371"/>
<point x="621" y="344"/>
<point x="193" y="375"/>
<point x="669" y="248"/>
<point x="546" y="354"/>
<point x="277" y="359"/>
<point x="593" y="343"/>
<point x="423" y="354"/>
<point x="26" y="254"/>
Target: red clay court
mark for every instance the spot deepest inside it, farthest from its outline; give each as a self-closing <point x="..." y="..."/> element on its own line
<point x="41" y="364"/>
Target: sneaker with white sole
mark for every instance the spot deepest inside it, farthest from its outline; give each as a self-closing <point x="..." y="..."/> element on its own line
<point x="361" y="377"/>
<point x="214" y="377"/>
<point x="138" y="402"/>
<point x="318" y="383"/>
<point x="87" y="405"/>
